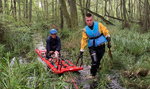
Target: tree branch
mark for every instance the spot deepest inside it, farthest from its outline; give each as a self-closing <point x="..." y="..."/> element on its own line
<point x="137" y="22"/>
<point x="100" y="16"/>
<point x="114" y="18"/>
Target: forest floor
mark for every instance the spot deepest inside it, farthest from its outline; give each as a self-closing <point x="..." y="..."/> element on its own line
<point x="80" y="77"/>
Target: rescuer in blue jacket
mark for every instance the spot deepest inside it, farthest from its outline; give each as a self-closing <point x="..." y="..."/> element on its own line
<point x="53" y="44"/>
<point x="95" y="35"/>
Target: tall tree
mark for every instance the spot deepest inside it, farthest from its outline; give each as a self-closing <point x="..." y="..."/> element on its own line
<point x="30" y="11"/>
<point x="1" y="7"/>
<point x="19" y="10"/>
<point x="53" y="11"/>
<point x="15" y="10"/>
<point x="146" y="15"/>
<point x="65" y="13"/>
<point x="6" y="6"/>
<point x="46" y="9"/>
<point x="73" y="13"/>
<point x="57" y="8"/>
<point x="88" y="3"/>
<point x="106" y="12"/>
<point x="26" y="9"/>
<point x="124" y="14"/>
<point x="110" y="8"/>
<point x="140" y="10"/>
<point x="96" y="9"/>
<point x="11" y="7"/>
<point x="61" y="19"/>
<point x="81" y="4"/>
<point x="118" y="10"/>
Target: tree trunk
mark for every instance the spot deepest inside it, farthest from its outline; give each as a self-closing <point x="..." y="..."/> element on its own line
<point x="65" y="13"/>
<point x="53" y="11"/>
<point x="130" y="13"/>
<point x="57" y="8"/>
<point x="15" y="10"/>
<point x="131" y="9"/>
<point x="42" y="6"/>
<point x="105" y="9"/>
<point x="73" y="13"/>
<point x="125" y="23"/>
<point x="134" y="8"/>
<point x="46" y="9"/>
<point x="82" y="11"/>
<point x="47" y="12"/>
<point x="139" y="9"/>
<point x="124" y="9"/>
<point x="1" y="7"/>
<point x="19" y="11"/>
<point x="88" y="5"/>
<point x="110" y="8"/>
<point x="26" y="9"/>
<point x="117" y="10"/>
<point x="61" y="19"/>
<point x="6" y="7"/>
<point x="146" y="16"/>
<point x="11" y="8"/>
<point x="96" y="9"/>
<point x="30" y="11"/>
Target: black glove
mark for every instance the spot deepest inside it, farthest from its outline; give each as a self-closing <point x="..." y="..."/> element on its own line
<point x="109" y="44"/>
<point x="108" y="39"/>
<point x="81" y="54"/>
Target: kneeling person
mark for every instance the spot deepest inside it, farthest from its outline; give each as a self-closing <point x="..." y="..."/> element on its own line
<point x="53" y="44"/>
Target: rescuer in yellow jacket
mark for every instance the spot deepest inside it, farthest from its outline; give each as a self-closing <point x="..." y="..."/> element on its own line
<point x="95" y="34"/>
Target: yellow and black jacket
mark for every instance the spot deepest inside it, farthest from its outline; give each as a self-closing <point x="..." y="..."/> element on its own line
<point x="95" y="36"/>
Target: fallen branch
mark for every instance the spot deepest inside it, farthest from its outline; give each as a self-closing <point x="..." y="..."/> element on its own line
<point x="137" y="22"/>
<point x="114" y="18"/>
<point x="100" y="16"/>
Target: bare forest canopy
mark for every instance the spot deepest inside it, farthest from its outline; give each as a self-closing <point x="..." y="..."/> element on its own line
<point x="71" y="13"/>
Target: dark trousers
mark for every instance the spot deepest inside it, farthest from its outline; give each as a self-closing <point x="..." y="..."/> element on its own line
<point x="96" y="55"/>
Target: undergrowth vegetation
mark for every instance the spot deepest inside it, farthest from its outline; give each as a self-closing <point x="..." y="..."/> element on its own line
<point x="130" y="50"/>
<point x="27" y="76"/>
<point x="18" y="42"/>
<point x="17" y="37"/>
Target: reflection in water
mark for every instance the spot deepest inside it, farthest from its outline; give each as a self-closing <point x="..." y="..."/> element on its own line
<point x="86" y="83"/>
<point x="83" y="81"/>
<point x="93" y="85"/>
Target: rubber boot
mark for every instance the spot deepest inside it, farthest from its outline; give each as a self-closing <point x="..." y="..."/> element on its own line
<point x="94" y="64"/>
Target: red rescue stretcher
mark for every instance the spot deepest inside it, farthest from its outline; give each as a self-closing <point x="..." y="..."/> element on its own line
<point x="57" y="65"/>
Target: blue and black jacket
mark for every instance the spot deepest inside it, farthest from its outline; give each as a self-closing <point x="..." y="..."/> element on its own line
<point x="53" y="44"/>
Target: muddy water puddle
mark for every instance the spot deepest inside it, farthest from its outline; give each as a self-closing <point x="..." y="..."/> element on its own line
<point x="87" y="83"/>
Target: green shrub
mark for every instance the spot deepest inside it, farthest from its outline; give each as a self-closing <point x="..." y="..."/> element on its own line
<point x="2" y="48"/>
<point x="19" y="40"/>
<point x="31" y="75"/>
